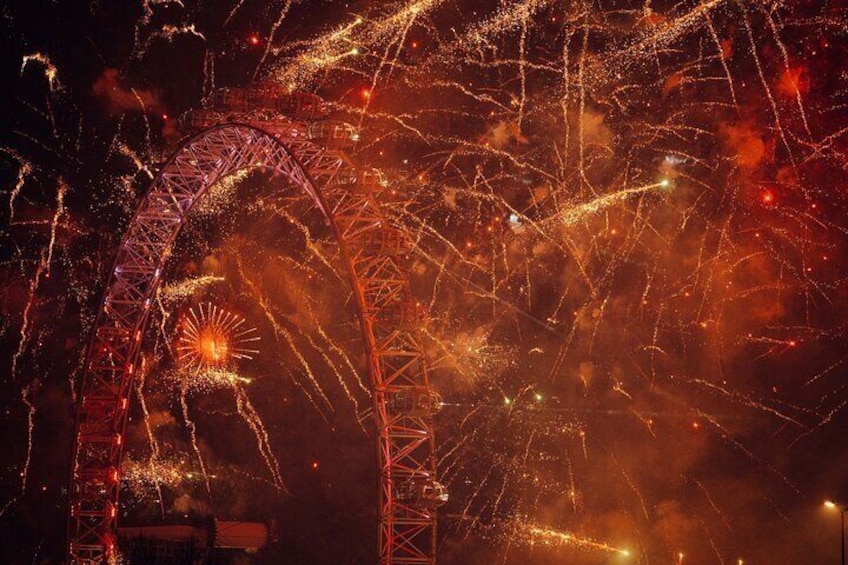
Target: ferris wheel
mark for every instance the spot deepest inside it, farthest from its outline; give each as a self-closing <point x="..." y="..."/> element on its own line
<point x="290" y="134"/>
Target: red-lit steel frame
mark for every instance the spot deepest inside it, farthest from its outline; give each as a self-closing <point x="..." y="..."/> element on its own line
<point x="373" y="253"/>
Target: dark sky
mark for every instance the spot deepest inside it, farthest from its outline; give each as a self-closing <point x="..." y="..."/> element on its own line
<point x="630" y="230"/>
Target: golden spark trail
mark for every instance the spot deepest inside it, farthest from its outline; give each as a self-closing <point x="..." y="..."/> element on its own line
<point x="747" y="401"/>
<point x="726" y="436"/>
<point x="192" y="428"/>
<point x="24" y="473"/>
<point x="248" y="412"/>
<point x="713" y="504"/>
<point x="668" y="33"/>
<point x="330" y="364"/>
<point x="401" y="39"/>
<point x="187" y="288"/>
<point x="629" y="480"/>
<point x="522" y="69"/>
<point x="153" y="460"/>
<point x="775" y="111"/>
<point x="54" y="224"/>
<point x="43" y="268"/>
<point x="335" y="45"/>
<point x="233" y="12"/>
<point x="581" y="146"/>
<point x="785" y="56"/>
<point x="577" y="213"/>
<point x="445" y="464"/>
<point x="473" y="497"/>
<point x="341" y="353"/>
<point x="279" y="330"/>
<point x="270" y="40"/>
<point x="549" y="537"/>
<point x="27" y="400"/>
<point x="308" y="239"/>
<point x="25" y="169"/>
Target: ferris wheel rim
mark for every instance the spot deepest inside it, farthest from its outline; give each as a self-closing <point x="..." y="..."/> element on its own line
<point x="409" y="551"/>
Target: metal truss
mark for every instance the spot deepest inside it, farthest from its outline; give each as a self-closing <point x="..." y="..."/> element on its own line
<point x="373" y="252"/>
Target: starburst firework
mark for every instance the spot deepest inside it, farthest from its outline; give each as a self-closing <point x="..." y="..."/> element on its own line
<point x="213" y="338"/>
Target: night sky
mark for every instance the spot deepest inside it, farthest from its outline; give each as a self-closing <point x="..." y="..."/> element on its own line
<point x="629" y="226"/>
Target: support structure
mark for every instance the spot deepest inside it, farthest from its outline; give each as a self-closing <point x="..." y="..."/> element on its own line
<point x="263" y="128"/>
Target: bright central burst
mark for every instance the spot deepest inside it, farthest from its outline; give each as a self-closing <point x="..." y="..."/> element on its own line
<point x="213" y="346"/>
<point x="212" y="338"/>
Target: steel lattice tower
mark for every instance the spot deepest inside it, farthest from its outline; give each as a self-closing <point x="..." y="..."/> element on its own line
<point x="263" y="127"/>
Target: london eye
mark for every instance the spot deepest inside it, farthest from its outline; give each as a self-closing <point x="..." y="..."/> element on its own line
<point x="288" y="133"/>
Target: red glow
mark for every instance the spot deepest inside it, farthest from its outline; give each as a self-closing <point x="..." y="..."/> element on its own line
<point x="253" y="39"/>
<point x="365" y="93"/>
<point x="767" y="197"/>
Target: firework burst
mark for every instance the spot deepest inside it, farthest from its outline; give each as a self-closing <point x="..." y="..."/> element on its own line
<point x="212" y="338"/>
<point x="629" y="229"/>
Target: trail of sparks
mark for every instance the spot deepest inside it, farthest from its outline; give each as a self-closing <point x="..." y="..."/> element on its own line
<point x="270" y="39"/>
<point x="280" y="331"/>
<point x="550" y="537"/>
<point x="25" y="169"/>
<point x="42" y="269"/>
<point x="571" y="216"/>
<point x="153" y="460"/>
<point x="27" y="400"/>
<point x="192" y="429"/>
<point x="249" y="414"/>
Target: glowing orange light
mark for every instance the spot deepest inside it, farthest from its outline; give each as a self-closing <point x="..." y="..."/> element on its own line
<point x="365" y="93"/>
<point x="696" y="425"/>
<point x="164" y="116"/>
<point x="415" y="45"/>
<point x="253" y="39"/>
<point x="314" y="465"/>
<point x="213" y="347"/>
<point x="767" y="197"/>
<point x="213" y="337"/>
